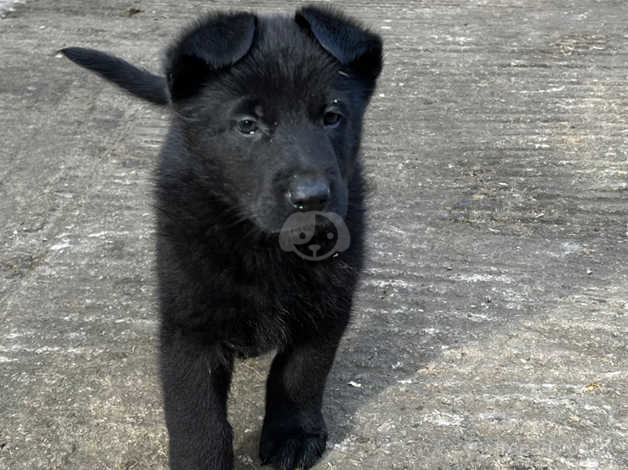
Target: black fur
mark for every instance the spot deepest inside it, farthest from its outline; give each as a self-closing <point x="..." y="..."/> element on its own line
<point x="226" y="287"/>
<point x="140" y="83"/>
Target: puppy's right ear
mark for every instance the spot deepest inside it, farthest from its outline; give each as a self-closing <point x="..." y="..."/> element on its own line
<point x="344" y="38"/>
<point x="217" y="42"/>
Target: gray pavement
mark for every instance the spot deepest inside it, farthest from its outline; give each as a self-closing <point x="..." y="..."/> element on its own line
<point x="491" y="324"/>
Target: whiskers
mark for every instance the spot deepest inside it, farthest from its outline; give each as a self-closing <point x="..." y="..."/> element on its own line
<point x="232" y="217"/>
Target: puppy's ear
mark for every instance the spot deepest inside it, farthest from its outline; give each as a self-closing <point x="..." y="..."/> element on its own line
<point x="215" y="43"/>
<point x="350" y="43"/>
<point x="138" y="82"/>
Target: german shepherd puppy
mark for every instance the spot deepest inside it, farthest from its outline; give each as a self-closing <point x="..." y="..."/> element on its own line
<point x="265" y="126"/>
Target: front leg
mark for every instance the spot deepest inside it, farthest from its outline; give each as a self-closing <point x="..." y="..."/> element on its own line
<point x="196" y="381"/>
<point x="294" y="434"/>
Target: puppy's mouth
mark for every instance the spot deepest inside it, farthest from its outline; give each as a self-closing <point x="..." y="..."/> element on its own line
<point x="314" y="251"/>
<point x="274" y="219"/>
<point x="320" y="224"/>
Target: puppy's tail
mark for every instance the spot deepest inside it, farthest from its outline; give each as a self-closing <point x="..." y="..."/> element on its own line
<point x="138" y="82"/>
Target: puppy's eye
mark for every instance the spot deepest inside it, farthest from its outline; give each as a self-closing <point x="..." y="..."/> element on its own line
<point x="247" y="126"/>
<point x="332" y="119"/>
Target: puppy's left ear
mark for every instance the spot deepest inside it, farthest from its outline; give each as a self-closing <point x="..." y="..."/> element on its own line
<point x="206" y="49"/>
<point x="350" y="43"/>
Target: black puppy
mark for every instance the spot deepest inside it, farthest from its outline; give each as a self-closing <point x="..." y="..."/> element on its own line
<point x="265" y="127"/>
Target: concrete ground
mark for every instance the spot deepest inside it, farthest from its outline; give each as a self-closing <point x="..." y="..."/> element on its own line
<point x="491" y="323"/>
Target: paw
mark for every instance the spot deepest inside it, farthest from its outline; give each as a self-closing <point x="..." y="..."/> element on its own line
<point x="292" y="447"/>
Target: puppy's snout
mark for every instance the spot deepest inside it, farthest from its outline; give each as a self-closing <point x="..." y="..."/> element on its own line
<point x="309" y="193"/>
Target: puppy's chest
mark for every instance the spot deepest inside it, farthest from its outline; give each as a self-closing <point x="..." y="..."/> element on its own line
<point x="270" y="313"/>
<point x="288" y="297"/>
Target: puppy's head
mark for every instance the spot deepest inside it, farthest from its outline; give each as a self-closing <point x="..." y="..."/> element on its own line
<point x="271" y="108"/>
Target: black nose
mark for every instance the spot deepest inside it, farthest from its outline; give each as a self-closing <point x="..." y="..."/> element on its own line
<point x="309" y="193"/>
